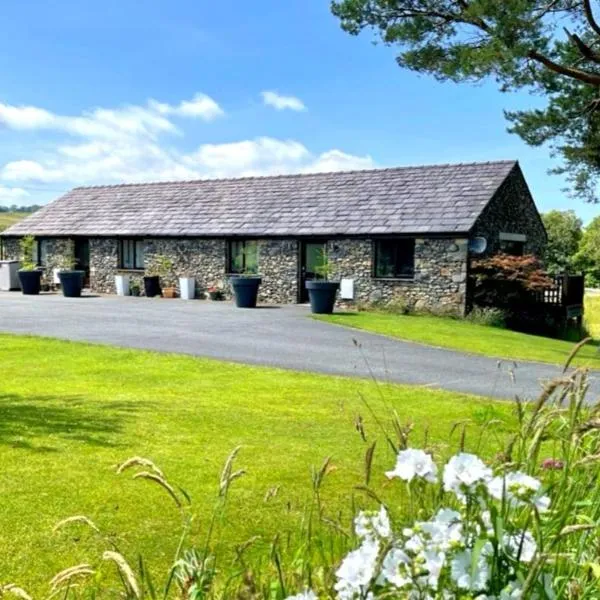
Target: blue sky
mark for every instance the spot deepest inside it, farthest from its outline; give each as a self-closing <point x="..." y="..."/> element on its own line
<point x="122" y="90"/>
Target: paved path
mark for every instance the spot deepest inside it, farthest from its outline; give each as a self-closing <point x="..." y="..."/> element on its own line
<point x="284" y="337"/>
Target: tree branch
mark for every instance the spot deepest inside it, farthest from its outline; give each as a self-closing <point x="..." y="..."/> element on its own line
<point x="587" y="9"/>
<point x="585" y="50"/>
<point x="584" y="76"/>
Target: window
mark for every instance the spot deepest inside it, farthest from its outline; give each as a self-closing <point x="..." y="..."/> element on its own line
<point x="243" y="256"/>
<point x="40" y="253"/>
<point x="512" y="243"/>
<point x="131" y="254"/>
<point x="512" y="247"/>
<point x="395" y="259"/>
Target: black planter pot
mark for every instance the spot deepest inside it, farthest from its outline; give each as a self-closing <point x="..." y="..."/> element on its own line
<point x="152" y="286"/>
<point x="322" y="296"/>
<point x="30" y="282"/>
<point x="245" y="290"/>
<point x="71" y="283"/>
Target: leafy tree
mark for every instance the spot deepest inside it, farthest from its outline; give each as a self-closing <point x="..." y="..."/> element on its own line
<point x="564" y="234"/>
<point x="551" y="47"/>
<point x="588" y="257"/>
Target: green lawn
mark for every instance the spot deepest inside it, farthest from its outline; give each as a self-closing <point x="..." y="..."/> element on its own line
<point x="592" y="315"/>
<point x="462" y="335"/>
<point x="9" y="218"/>
<point x="69" y="413"/>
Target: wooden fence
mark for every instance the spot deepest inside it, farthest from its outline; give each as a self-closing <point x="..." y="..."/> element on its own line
<point x="565" y="297"/>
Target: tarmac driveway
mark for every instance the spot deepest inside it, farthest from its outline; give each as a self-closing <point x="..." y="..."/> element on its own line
<point x="277" y="336"/>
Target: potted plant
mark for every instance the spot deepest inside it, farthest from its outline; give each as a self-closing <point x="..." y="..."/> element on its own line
<point x="160" y="267"/>
<point x="215" y="292"/>
<point x="30" y="276"/>
<point x="321" y="291"/>
<point x="135" y="289"/>
<point x="169" y="292"/>
<point x="122" y="285"/>
<point x="245" y="285"/>
<point x="187" y="287"/>
<point x="71" y="279"/>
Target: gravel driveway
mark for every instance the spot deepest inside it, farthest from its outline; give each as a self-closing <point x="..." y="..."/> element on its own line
<point x="278" y="336"/>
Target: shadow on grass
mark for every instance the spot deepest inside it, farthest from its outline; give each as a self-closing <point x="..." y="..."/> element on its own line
<point x="26" y="422"/>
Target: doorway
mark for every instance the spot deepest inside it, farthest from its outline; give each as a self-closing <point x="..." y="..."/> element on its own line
<point x="82" y="258"/>
<point x="312" y="256"/>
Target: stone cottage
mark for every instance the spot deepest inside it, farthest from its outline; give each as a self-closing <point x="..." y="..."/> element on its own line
<point x="405" y="232"/>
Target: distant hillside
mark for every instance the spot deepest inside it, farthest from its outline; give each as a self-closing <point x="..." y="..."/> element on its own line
<point x="8" y="218"/>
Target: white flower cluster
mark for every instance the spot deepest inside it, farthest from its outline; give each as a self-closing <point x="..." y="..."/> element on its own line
<point x="451" y="555"/>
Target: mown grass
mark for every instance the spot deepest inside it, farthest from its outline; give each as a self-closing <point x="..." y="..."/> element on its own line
<point x="592" y="315"/>
<point x="70" y="412"/>
<point x="469" y="337"/>
<point x="10" y="218"/>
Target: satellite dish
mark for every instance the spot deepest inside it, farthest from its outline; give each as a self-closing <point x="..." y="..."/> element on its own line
<point x="477" y="245"/>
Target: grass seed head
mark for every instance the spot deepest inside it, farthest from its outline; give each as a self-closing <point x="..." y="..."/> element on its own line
<point x="125" y="570"/>
<point x="14" y="590"/>
<point x="138" y="461"/>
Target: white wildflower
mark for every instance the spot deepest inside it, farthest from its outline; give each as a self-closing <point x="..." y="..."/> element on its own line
<point x="433" y="564"/>
<point x="305" y="595"/>
<point x="393" y="567"/>
<point x="468" y="576"/>
<point x="463" y="473"/>
<point x="521" y="544"/>
<point x="444" y="530"/>
<point x="357" y="570"/>
<point x="413" y="463"/>
<point x="512" y="591"/>
<point x="520" y="489"/>
<point x="370" y="524"/>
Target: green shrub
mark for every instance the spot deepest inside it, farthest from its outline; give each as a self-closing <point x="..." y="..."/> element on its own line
<point x="493" y="317"/>
<point x="26" y="247"/>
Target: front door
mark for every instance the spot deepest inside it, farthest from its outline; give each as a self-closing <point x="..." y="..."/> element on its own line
<point x="82" y="258"/>
<point x="312" y="256"/>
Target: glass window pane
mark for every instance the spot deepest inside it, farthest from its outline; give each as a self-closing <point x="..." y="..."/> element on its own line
<point x="243" y="256"/>
<point x="43" y="245"/>
<point x="139" y="254"/>
<point x="385" y="266"/>
<point x="395" y="258"/>
<point x="236" y="257"/>
<point x="251" y="257"/>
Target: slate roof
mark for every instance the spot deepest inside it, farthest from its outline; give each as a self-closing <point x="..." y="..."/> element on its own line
<point x="406" y="200"/>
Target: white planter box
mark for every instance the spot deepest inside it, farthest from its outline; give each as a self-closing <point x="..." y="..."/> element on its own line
<point x="9" y="275"/>
<point x="122" y="285"/>
<point x="187" y="288"/>
<point x="55" y="277"/>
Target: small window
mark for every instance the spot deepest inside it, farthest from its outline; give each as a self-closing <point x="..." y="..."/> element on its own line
<point x="512" y="247"/>
<point x="131" y="254"/>
<point x="243" y="257"/>
<point x="395" y="259"/>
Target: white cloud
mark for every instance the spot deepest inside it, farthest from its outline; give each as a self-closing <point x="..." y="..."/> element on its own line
<point x="10" y="195"/>
<point x="280" y="102"/>
<point x="125" y="145"/>
<point x="148" y="121"/>
<point x="200" y="107"/>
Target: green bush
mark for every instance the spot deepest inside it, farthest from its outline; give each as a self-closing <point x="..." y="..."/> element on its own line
<point x="493" y="317"/>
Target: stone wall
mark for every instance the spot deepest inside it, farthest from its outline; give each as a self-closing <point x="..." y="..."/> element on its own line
<point x="439" y="282"/>
<point x="512" y="210"/>
<point x="278" y="266"/>
<point x="56" y="249"/>
<point x="440" y="278"/>
<point x="203" y="259"/>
